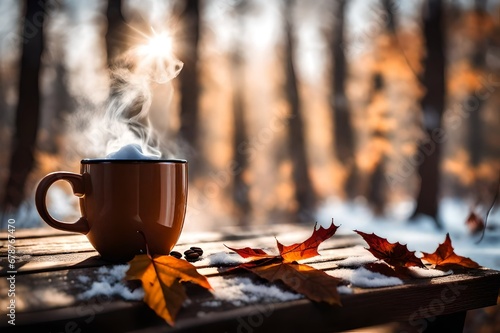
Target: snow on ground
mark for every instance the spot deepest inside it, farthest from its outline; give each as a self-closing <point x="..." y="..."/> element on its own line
<point x="422" y="273"/>
<point x="344" y="290"/>
<point x="109" y="282"/>
<point x="420" y="235"/>
<point x="222" y="259"/>
<point x="363" y="278"/>
<point x="242" y="290"/>
<point x="356" y="261"/>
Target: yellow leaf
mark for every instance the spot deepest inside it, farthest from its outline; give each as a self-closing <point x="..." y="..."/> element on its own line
<point x="138" y="267"/>
<point x="161" y="279"/>
<point x="185" y="271"/>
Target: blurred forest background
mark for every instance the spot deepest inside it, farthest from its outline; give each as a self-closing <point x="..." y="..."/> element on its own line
<point x="281" y="106"/>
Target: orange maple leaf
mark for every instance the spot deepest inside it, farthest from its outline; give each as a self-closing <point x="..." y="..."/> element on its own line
<point x="395" y="254"/>
<point x="290" y="253"/>
<point x="161" y="278"/>
<point x="312" y="283"/>
<point x="445" y="256"/>
<point x="309" y="247"/>
<point x="475" y="223"/>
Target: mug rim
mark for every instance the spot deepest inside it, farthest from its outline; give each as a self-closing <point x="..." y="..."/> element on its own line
<point x="131" y="161"/>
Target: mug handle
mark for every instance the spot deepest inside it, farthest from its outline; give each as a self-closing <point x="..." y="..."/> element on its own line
<point x="76" y="182"/>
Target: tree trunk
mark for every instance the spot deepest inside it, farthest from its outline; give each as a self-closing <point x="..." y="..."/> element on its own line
<point x="478" y="62"/>
<point x="116" y="43"/>
<point x="63" y="104"/>
<point x="475" y="127"/>
<point x="240" y="187"/>
<point x="344" y="136"/>
<point x="429" y="150"/>
<point x="376" y="193"/>
<point x="304" y="193"/>
<point x="189" y="78"/>
<point x="28" y="107"/>
<point x="389" y="9"/>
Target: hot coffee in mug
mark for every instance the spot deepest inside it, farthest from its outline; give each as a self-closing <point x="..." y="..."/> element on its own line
<point x="127" y="206"/>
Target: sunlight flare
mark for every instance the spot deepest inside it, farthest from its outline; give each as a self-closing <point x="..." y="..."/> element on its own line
<point x="159" y="45"/>
<point x="157" y="57"/>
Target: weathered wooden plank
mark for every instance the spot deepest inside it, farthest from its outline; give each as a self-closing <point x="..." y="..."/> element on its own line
<point x="89" y="259"/>
<point x="52" y="247"/>
<point x="48" y="289"/>
<point x="410" y="302"/>
<point x="49" y="245"/>
<point x="228" y="233"/>
<point x="285" y="233"/>
<point x="366" y="307"/>
<point x="49" y="240"/>
<point x="62" y="275"/>
<point x="51" y="262"/>
<point x="33" y="233"/>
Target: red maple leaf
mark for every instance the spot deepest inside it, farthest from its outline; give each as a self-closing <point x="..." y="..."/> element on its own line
<point x="475" y="223"/>
<point x="294" y="252"/>
<point x="395" y="254"/>
<point x="314" y="284"/>
<point x="309" y="247"/>
<point x="248" y="252"/>
<point x="445" y="257"/>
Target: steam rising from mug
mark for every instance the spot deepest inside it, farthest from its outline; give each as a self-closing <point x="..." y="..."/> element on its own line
<point x="123" y="120"/>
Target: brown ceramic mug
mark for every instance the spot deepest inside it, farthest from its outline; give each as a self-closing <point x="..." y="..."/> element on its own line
<point x="125" y="204"/>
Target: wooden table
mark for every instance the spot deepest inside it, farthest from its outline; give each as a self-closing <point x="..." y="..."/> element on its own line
<point x="50" y="266"/>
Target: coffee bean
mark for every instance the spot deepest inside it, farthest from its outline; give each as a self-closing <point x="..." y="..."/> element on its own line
<point x="176" y="254"/>
<point x="188" y="252"/>
<point x="192" y="256"/>
<point x="197" y="250"/>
